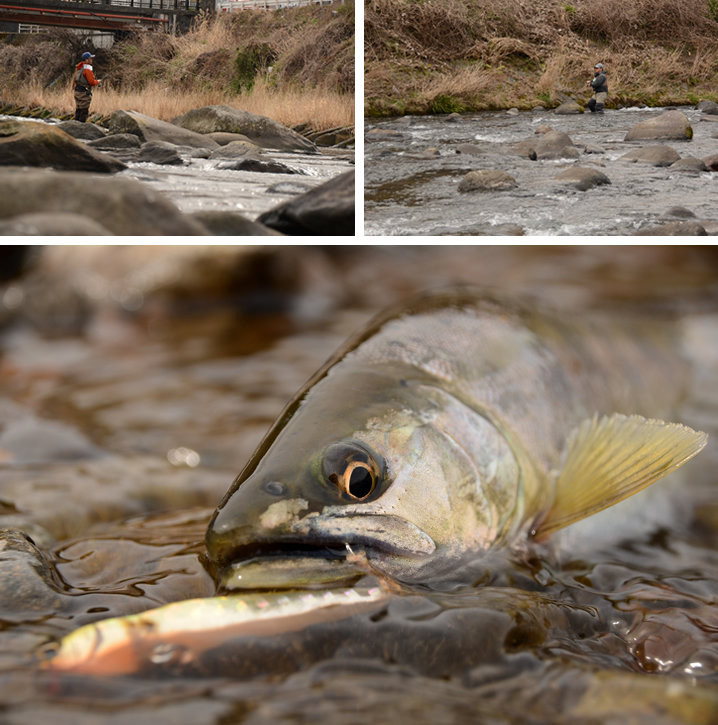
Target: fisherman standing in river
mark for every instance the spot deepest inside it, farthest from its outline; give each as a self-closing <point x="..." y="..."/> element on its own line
<point x="600" y="89"/>
<point x="83" y="82"/>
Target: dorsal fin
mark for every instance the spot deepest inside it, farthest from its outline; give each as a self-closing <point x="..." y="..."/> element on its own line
<point x="609" y="459"/>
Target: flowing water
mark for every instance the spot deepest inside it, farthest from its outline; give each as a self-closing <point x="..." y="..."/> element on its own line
<point x="410" y="193"/>
<point x="207" y="185"/>
<point x="126" y="413"/>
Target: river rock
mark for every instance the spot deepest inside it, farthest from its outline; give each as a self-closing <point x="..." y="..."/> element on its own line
<point x="669" y="125"/>
<point x="542" y="129"/>
<point x="487" y="180"/>
<point x="116" y="141"/>
<point x="258" y="129"/>
<point x="555" y="145"/>
<point x="224" y="137"/>
<point x="82" y="131"/>
<point x="593" y="149"/>
<point x="293" y="188"/>
<point x="383" y="134"/>
<point x="674" y="229"/>
<point x="160" y="152"/>
<point x="659" y="155"/>
<point x="513" y="112"/>
<point x="122" y="206"/>
<point x="59" y="224"/>
<point x="526" y="148"/>
<point x="689" y="163"/>
<point x="334" y="136"/>
<point x="262" y="167"/>
<point x="236" y="150"/>
<point x="29" y="143"/>
<point x="326" y="210"/>
<point x="582" y="178"/>
<point x="681" y="212"/>
<point x="568" y="108"/>
<point x="147" y="128"/>
<point x="469" y="148"/>
<point x="711" y="162"/>
<point x="232" y="224"/>
<point x="453" y="117"/>
<point x="708" y="107"/>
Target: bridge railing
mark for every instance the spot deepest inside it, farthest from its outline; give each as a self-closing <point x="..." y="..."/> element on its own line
<point x="146" y="4"/>
<point x="229" y="6"/>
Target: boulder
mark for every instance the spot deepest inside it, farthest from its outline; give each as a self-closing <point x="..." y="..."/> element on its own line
<point x="469" y="148"/>
<point x="487" y="180"/>
<point x="582" y="178"/>
<point x="681" y="212"/>
<point x="160" y="152"/>
<point x="224" y="137"/>
<point x="258" y="129"/>
<point x="122" y="206"/>
<point x="383" y="134"/>
<point x="235" y="150"/>
<point x="674" y="229"/>
<point x="116" y="141"/>
<point x="689" y="163"/>
<point x="555" y="145"/>
<point x="82" y="131"/>
<point x="513" y="112"/>
<point x="261" y="166"/>
<point x="669" y="125"/>
<point x="659" y="155"/>
<point x="568" y="108"/>
<point x="453" y="117"/>
<point x="232" y="224"/>
<point x="542" y="129"/>
<point x="45" y="224"/>
<point x="147" y="128"/>
<point x="326" y="210"/>
<point x="526" y="148"/>
<point x="711" y="162"/>
<point x="708" y="107"/>
<point x="30" y="143"/>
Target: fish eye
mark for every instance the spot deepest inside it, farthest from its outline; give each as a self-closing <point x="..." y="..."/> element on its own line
<point x="352" y="469"/>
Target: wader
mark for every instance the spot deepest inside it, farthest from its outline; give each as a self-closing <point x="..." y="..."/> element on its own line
<point x="595" y="104"/>
<point x="83" y="96"/>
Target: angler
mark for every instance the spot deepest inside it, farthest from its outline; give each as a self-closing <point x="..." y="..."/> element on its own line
<point x="599" y="83"/>
<point x="83" y="82"/>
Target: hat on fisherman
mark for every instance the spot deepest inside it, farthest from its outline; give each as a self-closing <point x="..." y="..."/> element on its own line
<point x="87" y="55"/>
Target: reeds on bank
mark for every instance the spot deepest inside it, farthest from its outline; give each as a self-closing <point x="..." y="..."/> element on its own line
<point x="456" y="55"/>
<point x="294" y="66"/>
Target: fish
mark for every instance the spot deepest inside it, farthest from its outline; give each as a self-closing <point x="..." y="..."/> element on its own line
<point x="177" y="634"/>
<point x="454" y="424"/>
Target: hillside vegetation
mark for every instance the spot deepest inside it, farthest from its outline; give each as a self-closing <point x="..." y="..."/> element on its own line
<point x="441" y="56"/>
<point x="294" y="65"/>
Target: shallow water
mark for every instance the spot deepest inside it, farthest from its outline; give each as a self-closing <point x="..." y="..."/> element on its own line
<point x="405" y="195"/>
<point x="118" y="439"/>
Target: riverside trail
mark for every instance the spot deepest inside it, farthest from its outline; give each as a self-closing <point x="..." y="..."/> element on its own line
<point x="413" y="190"/>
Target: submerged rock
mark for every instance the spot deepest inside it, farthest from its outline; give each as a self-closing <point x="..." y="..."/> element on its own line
<point x="383" y="134"/>
<point x="658" y="155"/>
<point x="232" y="224"/>
<point x="147" y="128"/>
<point x="325" y="210"/>
<point x="689" y="163"/>
<point x="669" y="125"/>
<point x="263" y="167"/>
<point x="160" y="152"/>
<point x="674" y="229"/>
<point x="30" y="143"/>
<point x="469" y="148"/>
<point x="582" y="178"/>
<point x="487" y="180"/>
<point x="261" y="130"/>
<point x="122" y="206"/>
<point x="59" y="224"/>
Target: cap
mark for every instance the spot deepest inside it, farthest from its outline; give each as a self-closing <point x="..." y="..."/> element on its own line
<point x="598" y="65"/>
<point x="86" y="55"/>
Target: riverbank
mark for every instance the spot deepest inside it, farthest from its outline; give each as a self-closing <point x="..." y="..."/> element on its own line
<point x="295" y="66"/>
<point x="445" y="56"/>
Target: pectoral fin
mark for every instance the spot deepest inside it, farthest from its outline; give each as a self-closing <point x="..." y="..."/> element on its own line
<point x="609" y="459"/>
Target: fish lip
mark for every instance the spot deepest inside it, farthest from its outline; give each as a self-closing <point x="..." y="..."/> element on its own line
<point x="330" y="536"/>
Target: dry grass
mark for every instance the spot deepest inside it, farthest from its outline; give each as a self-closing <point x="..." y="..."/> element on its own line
<point x="443" y="55"/>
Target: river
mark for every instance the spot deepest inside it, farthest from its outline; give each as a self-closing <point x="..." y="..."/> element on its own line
<point x="409" y="195"/>
<point x="135" y="381"/>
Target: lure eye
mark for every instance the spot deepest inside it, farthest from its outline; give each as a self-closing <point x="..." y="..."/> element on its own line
<point x="352" y="469"/>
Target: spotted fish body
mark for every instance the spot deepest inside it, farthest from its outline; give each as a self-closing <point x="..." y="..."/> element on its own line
<point x="443" y="428"/>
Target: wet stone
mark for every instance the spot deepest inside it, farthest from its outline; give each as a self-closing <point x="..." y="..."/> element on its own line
<point x="674" y="229"/>
<point x="689" y="163"/>
<point x="469" y="148"/>
<point x="487" y="180"/>
<point x="160" y="152"/>
<point x="82" y="131"/>
<point x="568" y="108"/>
<point x="116" y="141"/>
<point x="658" y="155"/>
<point x="582" y="178"/>
<point x="383" y="134"/>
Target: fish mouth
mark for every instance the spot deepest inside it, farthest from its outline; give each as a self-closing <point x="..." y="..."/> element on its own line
<point x="316" y="551"/>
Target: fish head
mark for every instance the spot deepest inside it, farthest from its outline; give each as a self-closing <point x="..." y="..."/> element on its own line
<point x="375" y="469"/>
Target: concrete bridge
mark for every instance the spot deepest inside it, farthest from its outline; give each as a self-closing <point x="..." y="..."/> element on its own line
<point x="105" y="15"/>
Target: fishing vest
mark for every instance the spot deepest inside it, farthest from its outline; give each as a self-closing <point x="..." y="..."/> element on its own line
<point x="602" y="87"/>
<point x="80" y="79"/>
